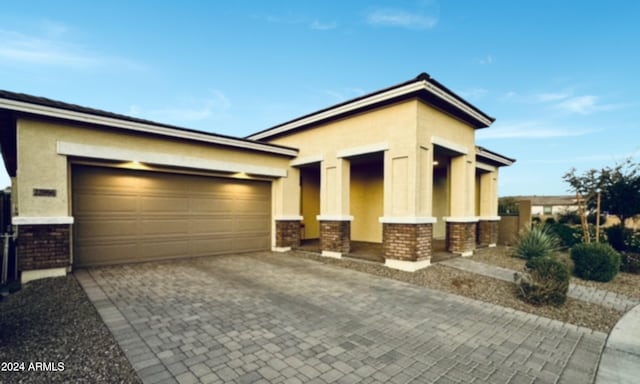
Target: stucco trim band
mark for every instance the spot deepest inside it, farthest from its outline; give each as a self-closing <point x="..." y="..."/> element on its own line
<point x="462" y="219"/>
<point x="489" y="218"/>
<point x="349" y="152"/>
<point x="485" y="167"/>
<point x="439" y="141"/>
<point x="306" y="160"/>
<point x="332" y="254"/>
<point x="32" y="220"/>
<point x="35" y="274"/>
<point x="119" y="154"/>
<point x="407" y="266"/>
<point x="334" y="218"/>
<point x="408" y="220"/>
<point x="288" y="218"/>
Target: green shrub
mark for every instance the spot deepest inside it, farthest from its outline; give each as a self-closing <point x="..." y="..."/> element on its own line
<point x="545" y="281"/>
<point x="535" y="242"/>
<point x="569" y="217"/>
<point x="630" y="262"/>
<point x="619" y="237"/>
<point x="566" y="234"/>
<point x="595" y="261"/>
<point x="549" y="221"/>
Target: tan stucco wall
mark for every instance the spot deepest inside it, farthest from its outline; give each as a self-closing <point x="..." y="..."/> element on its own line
<point x="393" y="125"/>
<point x="39" y="165"/>
<point x="435" y="126"/>
<point x="367" y="202"/>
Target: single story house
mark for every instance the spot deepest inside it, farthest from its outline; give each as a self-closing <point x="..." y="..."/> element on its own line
<point x="550" y="205"/>
<point x="398" y="167"/>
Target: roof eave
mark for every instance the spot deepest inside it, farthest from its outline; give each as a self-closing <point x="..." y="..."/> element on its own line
<point x="422" y="87"/>
<point x="141" y="126"/>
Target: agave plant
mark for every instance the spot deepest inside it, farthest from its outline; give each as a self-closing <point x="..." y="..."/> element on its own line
<point x="536" y="242"/>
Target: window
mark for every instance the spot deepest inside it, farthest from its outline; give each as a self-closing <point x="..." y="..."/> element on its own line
<point x="547" y="209"/>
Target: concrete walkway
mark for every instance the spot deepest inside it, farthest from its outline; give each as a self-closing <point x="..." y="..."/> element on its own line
<point x="277" y="318"/>
<point x="580" y="292"/>
<point x="620" y="361"/>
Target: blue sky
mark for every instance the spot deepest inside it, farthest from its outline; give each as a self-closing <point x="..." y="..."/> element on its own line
<point x="561" y="77"/>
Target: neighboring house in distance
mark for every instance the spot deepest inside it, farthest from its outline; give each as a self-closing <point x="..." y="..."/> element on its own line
<point x="550" y="206"/>
<point x="398" y="167"/>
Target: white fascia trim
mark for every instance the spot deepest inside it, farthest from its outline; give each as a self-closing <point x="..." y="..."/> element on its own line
<point x="485" y="167"/>
<point x="157" y="158"/>
<point x="34" y="220"/>
<point x="495" y="158"/>
<point x="407" y="266"/>
<point x="288" y="218"/>
<point x="379" y="147"/>
<point x="334" y="218"/>
<point x="140" y="127"/>
<point x="36" y="274"/>
<point x="306" y="160"/>
<point x="332" y="254"/>
<point x="417" y="86"/>
<point x="461" y="149"/>
<point x="489" y="218"/>
<point x="408" y="220"/>
<point x="461" y="219"/>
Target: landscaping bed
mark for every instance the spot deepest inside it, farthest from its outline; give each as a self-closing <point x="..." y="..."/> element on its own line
<point x="626" y="284"/>
<point x="52" y="321"/>
<point x="486" y="289"/>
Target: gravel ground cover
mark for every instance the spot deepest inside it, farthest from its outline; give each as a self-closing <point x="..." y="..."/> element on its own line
<point x="52" y="321"/>
<point x="627" y="284"/>
<point x="486" y="289"/>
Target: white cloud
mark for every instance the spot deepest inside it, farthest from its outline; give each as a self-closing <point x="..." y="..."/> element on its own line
<point x="585" y="105"/>
<point x="320" y="26"/>
<point x="528" y="129"/>
<point x="548" y="97"/>
<point x="474" y="93"/>
<point x="215" y="106"/>
<point x="344" y="93"/>
<point x="487" y="60"/>
<point x="52" y="50"/>
<point x="388" y="17"/>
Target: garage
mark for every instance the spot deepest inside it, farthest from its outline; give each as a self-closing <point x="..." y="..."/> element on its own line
<point x="124" y="216"/>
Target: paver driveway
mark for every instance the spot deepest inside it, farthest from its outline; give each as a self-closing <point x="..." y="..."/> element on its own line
<point x="278" y="318"/>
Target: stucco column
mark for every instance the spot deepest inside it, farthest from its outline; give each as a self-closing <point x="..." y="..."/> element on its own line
<point x="488" y="221"/>
<point x="286" y="211"/>
<point x="335" y="219"/>
<point x="407" y="232"/>
<point x="462" y="222"/>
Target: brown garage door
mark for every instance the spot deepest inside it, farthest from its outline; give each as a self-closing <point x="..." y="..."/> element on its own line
<point x="126" y="216"/>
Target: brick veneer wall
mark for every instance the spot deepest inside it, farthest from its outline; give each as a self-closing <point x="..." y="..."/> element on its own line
<point x="408" y="242"/>
<point x="335" y="236"/>
<point x="288" y="233"/>
<point x="461" y="237"/>
<point x="43" y="246"/>
<point x="487" y="232"/>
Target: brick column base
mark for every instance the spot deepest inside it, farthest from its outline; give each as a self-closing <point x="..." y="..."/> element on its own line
<point x="407" y="242"/>
<point x="43" y="246"/>
<point x="488" y="233"/>
<point x="461" y="237"/>
<point x="287" y="234"/>
<point x="335" y="237"/>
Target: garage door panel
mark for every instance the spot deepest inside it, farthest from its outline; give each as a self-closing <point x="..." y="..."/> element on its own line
<point x="164" y="226"/>
<point x="116" y="202"/>
<point x="125" y="216"/>
<point x="106" y="228"/>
